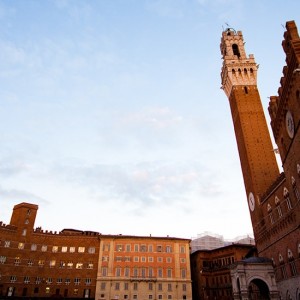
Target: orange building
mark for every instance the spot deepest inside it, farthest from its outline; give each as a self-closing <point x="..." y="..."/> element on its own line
<point x="84" y="264"/>
<point x="273" y="198"/>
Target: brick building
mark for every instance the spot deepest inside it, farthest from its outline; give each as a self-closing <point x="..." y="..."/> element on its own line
<point x="85" y="264"/>
<point x="211" y="270"/>
<point x="273" y="198"/>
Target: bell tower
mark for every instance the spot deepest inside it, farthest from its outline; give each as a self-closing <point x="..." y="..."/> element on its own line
<point x="239" y="82"/>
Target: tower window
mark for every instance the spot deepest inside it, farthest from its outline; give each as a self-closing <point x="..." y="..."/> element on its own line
<point x="235" y="49"/>
<point x="246" y="90"/>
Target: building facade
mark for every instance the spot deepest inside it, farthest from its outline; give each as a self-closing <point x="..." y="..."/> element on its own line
<point x="211" y="271"/>
<point x="273" y="198"/>
<point x="84" y="264"/>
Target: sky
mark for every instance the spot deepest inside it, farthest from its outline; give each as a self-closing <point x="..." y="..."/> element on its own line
<point x="112" y="118"/>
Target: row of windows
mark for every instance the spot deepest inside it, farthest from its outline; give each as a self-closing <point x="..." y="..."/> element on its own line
<point x="49" y="280"/>
<point x="150" y="297"/>
<point x="143" y="272"/>
<point x="41" y="263"/>
<point x="135" y="285"/>
<point x="142" y="248"/>
<point x="142" y="259"/>
<point x="54" y="249"/>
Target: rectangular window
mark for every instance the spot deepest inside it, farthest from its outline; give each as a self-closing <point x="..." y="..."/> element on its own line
<point x="134" y="296"/>
<point x="150" y="297"/>
<point x="184" y="287"/>
<point x="150" y="270"/>
<point x="33" y="247"/>
<point x="127" y="258"/>
<point x="118" y="272"/>
<point x="169" y="286"/>
<point x="79" y="265"/>
<point x="90" y="265"/>
<point x="38" y="280"/>
<point x="41" y="263"/>
<point x="119" y="258"/>
<point x="159" y="297"/>
<point x="126" y="272"/>
<point x="62" y="264"/>
<point x="102" y="286"/>
<point x="76" y="281"/>
<point x="104" y="271"/>
<point x="160" y="273"/>
<point x="135" y="286"/>
<point x="52" y="263"/>
<point x="143" y="272"/>
<point x="168" y="249"/>
<point x="182" y="260"/>
<point x="81" y="249"/>
<point x="88" y="281"/>
<point x="159" y="248"/>
<point x="64" y="249"/>
<point x="182" y="249"/>
<point x="44" y="248"/>
<point x="117" y="286"/>
<point x="59" y="280"/>
<point x="26" y="279"/>
<point x="30" y="263"/>
<point x="143" y="248"/>
<point x="47" y="290"/>
<point x="2" y="259"/>
<point x="169" y="273"/>
<point x="6" y="244"/>
<point x="92" y="250"/>
<point x="17" y="261"/>
<point x="128" y="248"/>
<point x="169" y="259"/>
<point x="119" y="248"/>
<point x="70" y="265"/>
<point x="150" y="286"/>
<point x="55" y="249"/>
<point x="49" y="280"/>
<point x="169" y="297"/>
<point x="143" y="259"/>
<point x="67" y="281"/>
<point x="160" y="286"/>
<point x="72" y="249"/>
<point x="75" y="291"/>
<point x="150" y="248"/>
<point x="183" y="273"/>
<point x="159" y="259"/>
<point x="21" y="246"/>
<point x="126" y="286"/>
<point x="136" y="259"/>
<point x="135" y="272"/>
<point x="136" y="248"/>
<point x="150" y="259"/>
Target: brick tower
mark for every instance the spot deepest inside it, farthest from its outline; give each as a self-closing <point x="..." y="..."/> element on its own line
<point x="239" y="82"/>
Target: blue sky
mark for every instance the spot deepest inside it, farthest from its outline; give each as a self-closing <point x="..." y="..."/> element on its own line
<point x="111" y="114"/>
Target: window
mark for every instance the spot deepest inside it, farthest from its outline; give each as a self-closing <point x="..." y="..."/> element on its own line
<point x="135" y="286"/>
<point x="33" y="247"/>
<point x="184" y="287"/>
<point x="159" y="248"/>
<point x="104" y="271"/>
<point x="159" y="297"/>
<point x="76" y="281"/>
<point x="169" y="273"/>
<point x="72" y="249"/>
<point x="136" y="259"/>
<point x="44" y="248"/>
<point x="54" y="249"/>
<point x="150" y="259"/>
<point x="159" y="259"/>
<point x="59" y="280"/>
<point x="135" y="272"/>
<point x="24" y="232"/>
<point x="52" y="263"/>
<point x="143" y="272"/>
<point x="127" y="258"/>
<point x="79" y="265"/>
<point x="126" y="286"/>
<point x="17" y="261"/>
<point x="21" y="246"/>
<point x="168" y="249"/>
<point x="126" y="272"/>
<point x="88" y="281"/>
<point x="150" y="248"/>
<point x="2" y="259"/>
<point x="182" y="260"/>
<point x="49" y="280"/>
<point x="90" y="265"/>
<point x="118" y="258"/>
<point x="150" y="270"/>
<point x="30" y="263"/>
<point x="67" y="281"/>
<point x="134" y="296"/>
<point x="169" y="286"/>
<point x="75" y="291"/>
<point x="183" y="273"/>
<point x="13" y="278"/>
<point x="70" y="265"/>
<point x="62" y="264"/>
<point x="169" y="259"/>
<point x="64" y="249"/>
<point x="119" y="248"/>
<point x="128" y="248"/>
<point x="150" y="286"/>
<point x="41" y="263"/>
<point x="169" y="297"/>
<point x="117" y="286"/>
<point x="143" y="248"/>
<point x="160" y="273"/>
<point x="81" y="249"/>
<point x="38" y="280"/>
<point x="106" y="258"/>
<point x="26" y="279"/>
<point x="160" y="286"/>
<point x="102" y="286"/>
<point x="47" y="290"/>
<point x="136" y="248"/>
<point x="287" y="198"/>
<point x="6" y="244"/>
<point x="118" y="272"/>
<point x="150" y="297"/>
<point x="143" y="259"/>
<point x="92" y="250"/>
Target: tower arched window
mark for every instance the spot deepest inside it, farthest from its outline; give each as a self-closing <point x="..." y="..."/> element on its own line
<point x="235" y="49"/>
<point x="245" y="71"/>
<point x="246" y="90"/>
<point x="233" y="71"/>
<point x="295" y="189"/>
<point x="269" y="208"/>
<point x="292" y="263"/>
<point x="278" y="207"/>
<point x="286" y="196"/>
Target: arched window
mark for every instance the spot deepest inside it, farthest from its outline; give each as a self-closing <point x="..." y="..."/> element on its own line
<point x="286" y="196"/>
<point x="292" y="263"/>
<point x="246" y="90"/>
<point x="233" y="71"/>
<point x="278" y="207"/>
<point x="295" y="188"/>
<point x="282" y="267"/>
<point x="235" y="49"/>
<point x="269" y="208"/>
<point x="245" y="71"/>
<point x="298" y="169"/>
